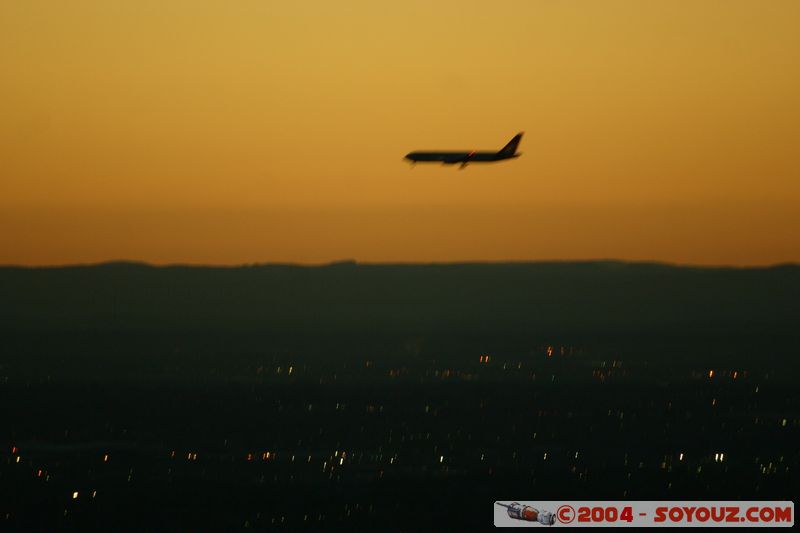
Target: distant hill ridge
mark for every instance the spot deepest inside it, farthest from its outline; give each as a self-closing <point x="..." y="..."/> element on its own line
<point x="569" y="297"/>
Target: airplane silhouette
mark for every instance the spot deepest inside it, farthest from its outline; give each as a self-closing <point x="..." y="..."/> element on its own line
<point x="509" y="151"/>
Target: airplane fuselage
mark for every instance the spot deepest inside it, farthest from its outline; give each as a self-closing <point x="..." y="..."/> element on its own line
<point x="457" y="157"/>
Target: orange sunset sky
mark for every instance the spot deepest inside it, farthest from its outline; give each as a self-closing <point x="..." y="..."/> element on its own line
<point x="210" y="131"/>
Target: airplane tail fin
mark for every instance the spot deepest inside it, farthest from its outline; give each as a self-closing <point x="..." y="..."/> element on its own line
<point x="511" y="148"/>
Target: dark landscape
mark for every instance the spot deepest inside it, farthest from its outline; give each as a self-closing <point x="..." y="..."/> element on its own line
<point x="394" y="397"/>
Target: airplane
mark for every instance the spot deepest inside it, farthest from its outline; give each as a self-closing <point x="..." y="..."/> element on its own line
<point x="509" y="151"/>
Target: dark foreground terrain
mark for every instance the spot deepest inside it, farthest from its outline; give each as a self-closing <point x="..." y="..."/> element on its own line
<point x="390" y="397"/>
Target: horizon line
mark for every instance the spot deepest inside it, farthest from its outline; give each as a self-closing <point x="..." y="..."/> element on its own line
<point x="354" y="262"/>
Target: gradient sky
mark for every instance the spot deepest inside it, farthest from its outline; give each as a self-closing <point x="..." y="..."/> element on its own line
<point x="204" y="131"/>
